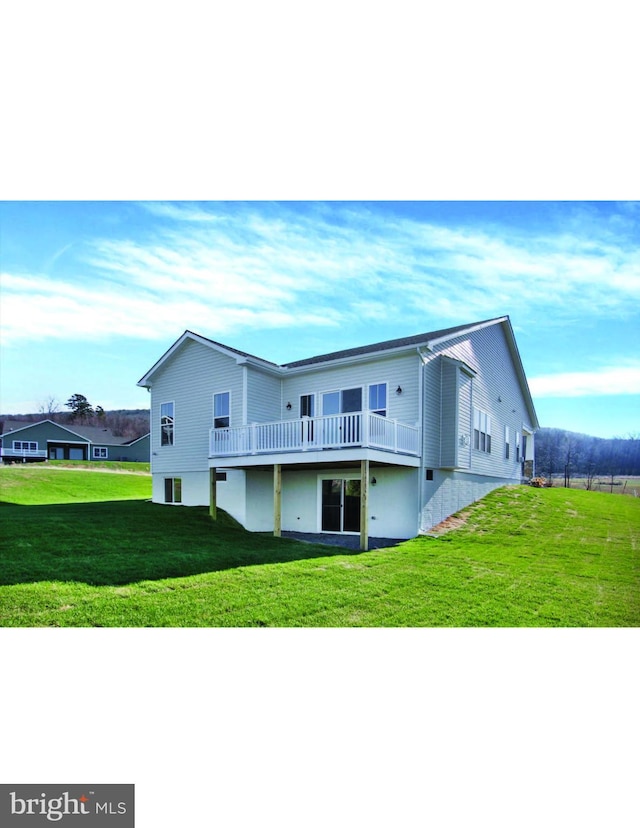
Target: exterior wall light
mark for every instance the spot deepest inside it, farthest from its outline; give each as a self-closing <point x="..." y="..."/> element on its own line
<point x="398" y="390"/>
<point x="288" y="406"/>
<point x="373" y="481"/>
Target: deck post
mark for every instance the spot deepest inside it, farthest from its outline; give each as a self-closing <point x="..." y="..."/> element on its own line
<point x="277" y="500"/>
<point x="213" y="509"/>
<point x="364" y="505"/>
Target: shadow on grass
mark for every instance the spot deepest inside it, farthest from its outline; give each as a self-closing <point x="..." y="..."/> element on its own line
<point x="122" y="542"/>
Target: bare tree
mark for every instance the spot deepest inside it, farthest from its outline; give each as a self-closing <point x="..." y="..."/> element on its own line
<point x="50" y="406"/>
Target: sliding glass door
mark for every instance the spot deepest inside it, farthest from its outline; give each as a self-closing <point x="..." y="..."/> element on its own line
<point x="340" y="505"/>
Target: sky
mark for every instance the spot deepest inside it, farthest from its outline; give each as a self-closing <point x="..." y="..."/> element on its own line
<point x="94" y="292"/>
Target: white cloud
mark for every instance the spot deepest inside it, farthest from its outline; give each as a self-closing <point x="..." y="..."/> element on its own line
<point x="218" y="267"/>
<point x="604" y="381"/>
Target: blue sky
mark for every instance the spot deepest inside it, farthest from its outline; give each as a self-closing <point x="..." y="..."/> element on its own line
<point x="94" y="292"/>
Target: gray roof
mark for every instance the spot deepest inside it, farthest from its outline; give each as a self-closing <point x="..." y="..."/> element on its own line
<point x="94" y="434"/>
<point x="390" y="344"/>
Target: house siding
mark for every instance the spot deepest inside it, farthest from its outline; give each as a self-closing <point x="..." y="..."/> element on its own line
<point x="264" y="396"/>
<point x="449" y="405"/>
<point x="495" y="390"/>
<point x="189" y="379"/>
<point x="462" y="474"/>
<point x="401" y="371"/>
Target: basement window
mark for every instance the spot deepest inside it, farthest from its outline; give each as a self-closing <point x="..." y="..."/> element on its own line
<point x="173" y="490"/>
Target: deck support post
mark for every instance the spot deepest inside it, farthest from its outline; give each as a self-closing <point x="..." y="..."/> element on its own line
<point x="213" y="508"/>
<point x="277" y="500"/>
<point x="364" y="505"/>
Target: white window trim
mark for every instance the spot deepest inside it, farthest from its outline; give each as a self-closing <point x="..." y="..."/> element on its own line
<point x="314" y="406"/>
<point x="482" y="418"/>
<point x="25" y="445"/>
<point x="100" y="453"/>
<point x="213" y="407"/>
<point x="168" y="445"/>
<point x="386" y="408"/>
<point x="339" y="391"/>
<point x="173" y="500"/>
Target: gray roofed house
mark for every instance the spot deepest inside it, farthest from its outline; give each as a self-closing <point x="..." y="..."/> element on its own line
<point x="47" y="440"/>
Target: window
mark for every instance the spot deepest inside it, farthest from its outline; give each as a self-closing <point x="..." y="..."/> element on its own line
<point x="173" y="490"/>
<point x="342" y="402"/>
<point x="307" y="406"/>
<point x="517" y="446"/>
<point x="166" y="424"/>
<point x="481" y="431"/>
<point x="378" y="399"/>
<point x="221" y="409"/>
<point x="99" y="453"/>
<point x="428" y="474"/>
<point x="506" y="442"/>
<point x="221" y="477"/>
<point x="24" y="445"/>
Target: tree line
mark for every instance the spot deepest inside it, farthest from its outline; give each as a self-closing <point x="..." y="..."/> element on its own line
<point x="127" y="423"/>
<point x="565" y="454"/>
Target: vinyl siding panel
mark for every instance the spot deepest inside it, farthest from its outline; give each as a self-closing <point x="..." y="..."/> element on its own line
<point x="432" y="412"/>
<point x="264" y="394"/>
<point x="449" y="415"/>
<point x="495" y="390"/>
<point x="189" y="380"/>
<point x="397" y="371"/>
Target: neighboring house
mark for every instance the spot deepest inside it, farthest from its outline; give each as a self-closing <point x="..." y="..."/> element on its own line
<point x="384" y="440"/>
<point x="46" y="440"/>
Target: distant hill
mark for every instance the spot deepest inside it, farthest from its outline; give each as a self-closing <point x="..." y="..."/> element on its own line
<point x="123" y="422"/>
<point x="565" y="452"/>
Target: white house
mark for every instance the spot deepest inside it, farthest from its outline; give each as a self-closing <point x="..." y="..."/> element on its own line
<point x="385" y="440"/>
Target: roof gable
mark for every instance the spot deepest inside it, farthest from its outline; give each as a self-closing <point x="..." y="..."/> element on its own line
<point x="239" y="356"/>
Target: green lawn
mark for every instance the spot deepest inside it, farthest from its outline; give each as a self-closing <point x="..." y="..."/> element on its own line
<point x="88" y="549"/>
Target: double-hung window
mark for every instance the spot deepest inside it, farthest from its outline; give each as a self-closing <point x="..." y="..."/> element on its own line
<point x="166" y="424"/>
<point x="378" y="399"/>
<point x="506" y="442"/>
<point x="481" y="431"/>
<point x="221" y="409"/>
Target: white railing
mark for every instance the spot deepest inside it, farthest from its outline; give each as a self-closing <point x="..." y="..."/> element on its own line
<point x="314" y="433"/>
<point x="10" y="452"/>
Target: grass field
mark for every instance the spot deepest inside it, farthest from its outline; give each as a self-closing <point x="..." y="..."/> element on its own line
<point x="88" y="549"/>
<point x="619" y="485"/>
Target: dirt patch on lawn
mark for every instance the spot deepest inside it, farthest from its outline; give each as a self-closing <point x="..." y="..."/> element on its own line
<point x="448" y="524"/>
